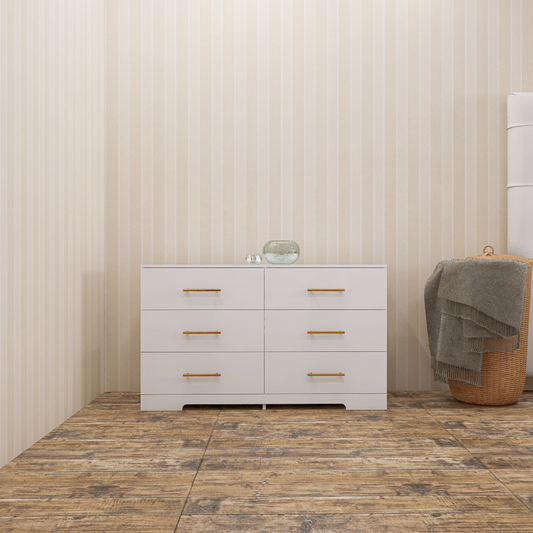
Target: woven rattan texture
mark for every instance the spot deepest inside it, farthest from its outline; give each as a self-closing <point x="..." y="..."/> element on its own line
<point x="503" y="374"/>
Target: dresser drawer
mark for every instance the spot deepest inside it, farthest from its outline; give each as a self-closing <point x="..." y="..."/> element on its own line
<point x="240" y="373"/>
<point x="205" y="331"/>
<point x="326" y="288"/>
<point x="201" y="288"/>
<point x="325" y="331"/>
<point x="287" y="373"/>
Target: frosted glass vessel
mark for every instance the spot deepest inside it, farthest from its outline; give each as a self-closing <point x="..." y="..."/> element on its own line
<point x="281" y="252"/>
<point x="253" y="259"/>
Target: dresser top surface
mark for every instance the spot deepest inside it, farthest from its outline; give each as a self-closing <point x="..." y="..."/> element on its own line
<point x="264" y="265"/>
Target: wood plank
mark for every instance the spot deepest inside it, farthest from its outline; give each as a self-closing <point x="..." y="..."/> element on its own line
<point x="123" y="464"/>
<point x="335" y="430"/>
<point x="47" y="507"/>
<point x="359" y="523"/>
<point x="324" y="416"/>
<point x="520" y="479"/>
<point x="118" y="524"/>
<point x="92" y="449"/>
<point x="24" y="524"/>
<point x="116" y="417"/>
<point x="127" y="432"/>
<point x="361" y="450"/>
<point x="507" y="462"/>
<point x="515" y="413"/>
<point x="337" y="446"/>
<point x="490" y="446"/>
<point x="357" y="504"/>
<point x="301" y="523"/>
<point x="488" y="429"/>
<point x="212" y="484"/>
<point x="347" y="464"/>
<point x="94" y="485"/>
<point x="495" y="522"/>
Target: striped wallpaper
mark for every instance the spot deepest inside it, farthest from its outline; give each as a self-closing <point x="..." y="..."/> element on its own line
<point x="52" y="211"/>
<point x="367" y="131"/>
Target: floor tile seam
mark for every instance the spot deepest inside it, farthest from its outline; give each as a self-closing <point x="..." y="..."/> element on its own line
<point x="460" y="443"/>
<point x="446" y="430"/>
<point x="474" y="457"/>
<point x="517" y="496"/>
<point x="197" y="470"/>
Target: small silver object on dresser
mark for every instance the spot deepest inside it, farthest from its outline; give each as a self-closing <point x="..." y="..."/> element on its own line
<point x="253" y="259"/>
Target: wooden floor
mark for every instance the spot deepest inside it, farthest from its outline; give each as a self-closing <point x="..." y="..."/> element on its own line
<point x="427" y="464"/>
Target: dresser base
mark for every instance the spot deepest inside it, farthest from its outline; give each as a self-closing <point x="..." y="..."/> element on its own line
<point x="175" y="402"/>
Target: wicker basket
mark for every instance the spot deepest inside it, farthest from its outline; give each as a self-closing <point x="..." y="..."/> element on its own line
<point x="503" y="374"/>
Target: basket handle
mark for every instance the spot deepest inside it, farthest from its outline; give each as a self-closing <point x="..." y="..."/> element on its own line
<point x="487" y="254"/>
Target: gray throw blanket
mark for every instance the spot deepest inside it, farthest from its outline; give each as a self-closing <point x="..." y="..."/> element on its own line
<point x="472" y="306"/>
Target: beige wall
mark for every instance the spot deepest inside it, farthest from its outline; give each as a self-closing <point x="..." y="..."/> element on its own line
<point x="367" y="131"/>
<point x="52" y="147"/>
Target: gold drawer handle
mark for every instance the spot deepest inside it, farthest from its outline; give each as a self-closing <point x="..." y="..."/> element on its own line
<point x="326" y="332"/>
<point x="201" y="290"/>
<point x="217" y="375"/>
<point x="201" y="332"/>
<point x="326" y="290"/>
<point x="339" y="374"/>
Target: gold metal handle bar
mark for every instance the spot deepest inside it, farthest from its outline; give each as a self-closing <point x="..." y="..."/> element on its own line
<point x="217" y="375"/>
<point x="326" y="332"/>
<point x="201" y="332"/>
<point x="201" y="290"/>
<point x="326" y="290"/>
<point x="340" y="374"/>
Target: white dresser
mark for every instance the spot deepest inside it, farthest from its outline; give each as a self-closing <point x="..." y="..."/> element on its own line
<point x="243" y="334"/>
